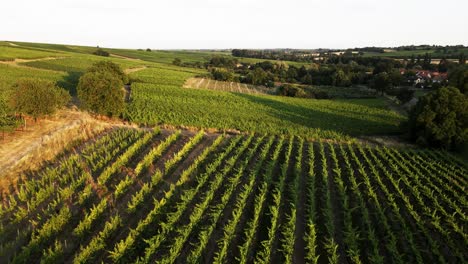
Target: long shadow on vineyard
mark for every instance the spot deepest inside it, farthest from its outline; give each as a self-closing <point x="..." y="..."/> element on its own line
<point x="316" y="119"/>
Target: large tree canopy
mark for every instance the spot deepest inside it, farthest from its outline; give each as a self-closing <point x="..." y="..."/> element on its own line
<point x="458" y="77"/>
<point x="440" y="119"/>
<point x="109" y="66"/>
<point x="38" y="97"/>
<point x="101" y="92"/>
<point x="7" y="121"/>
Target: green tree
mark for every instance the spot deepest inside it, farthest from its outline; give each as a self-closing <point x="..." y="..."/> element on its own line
<point x="340" y="78"/>
<point x="443" y="65"/>
<point x="307" y="79"/>
<point x="101" y="92"/>
<point x="458" y="77"/>
<point x="427" y="61"/>
<point x="462" y="59"/>
<point x="395" y="78"/>
<point x="37" y="98"/>
<point x="109" y="66"/>
<point x="177" y="62"/>
<point x="101" y="52"/>
<point x="440" y="119"/>
<point x="381" y="82"/>
<point x="7" y="120"/>
<point x="222" y="74"/>
<point x="257" y="77"/>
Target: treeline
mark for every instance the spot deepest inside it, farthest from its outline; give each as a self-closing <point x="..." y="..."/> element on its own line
<point x="322" y="55"/>
<point x="285" y="55"/>
<point x="267" y="73"/>
<point x="424" y="62"/>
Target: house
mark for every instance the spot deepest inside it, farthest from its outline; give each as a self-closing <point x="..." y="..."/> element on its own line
<point x="422" y="77"/>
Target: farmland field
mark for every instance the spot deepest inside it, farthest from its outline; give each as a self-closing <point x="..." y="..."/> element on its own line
<point x="10" y="53"/>
<point x="204" y="83"/>
<point x="157" y="98"/>
<point x="150" y="195"/>
<point x="256" y="178"/>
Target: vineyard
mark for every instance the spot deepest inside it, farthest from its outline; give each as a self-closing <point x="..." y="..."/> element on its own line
<point x="162" y="101"/>
<point x="160" y="196"/>
<point x="235" y="87"/>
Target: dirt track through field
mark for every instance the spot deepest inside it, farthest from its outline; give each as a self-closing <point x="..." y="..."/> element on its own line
<point x="132" y="70"/>
<point x="16" y="63"/>
<point x="124" y="57"/>
<point x="43" y="140"/>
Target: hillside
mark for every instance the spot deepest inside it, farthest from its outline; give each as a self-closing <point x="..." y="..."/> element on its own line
<point x="164" y="196"/>
<point x="193" y="175"/>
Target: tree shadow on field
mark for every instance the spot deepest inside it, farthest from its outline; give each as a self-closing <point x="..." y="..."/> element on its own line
<point x="322" y="120"/>
<point x="364" y="110"/>
<point x="70" y="81"/>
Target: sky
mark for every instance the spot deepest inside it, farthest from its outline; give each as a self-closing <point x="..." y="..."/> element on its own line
<point x="223" y="24"/>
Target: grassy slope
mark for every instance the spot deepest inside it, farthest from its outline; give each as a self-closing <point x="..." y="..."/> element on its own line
<point x="159" y="56"/>
<point x="159" y="98"/>
<point x="9" y="74"/>
<point x="408" y="53"/>
<point x="79" y="63"/>
<point x="9" y="53"/>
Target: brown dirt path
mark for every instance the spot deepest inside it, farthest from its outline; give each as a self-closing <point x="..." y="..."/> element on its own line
<point x="132" y="70"/>
<point x="124" y="57"/>
<point x="16" y="63"/>
<point x="42" y="141"/>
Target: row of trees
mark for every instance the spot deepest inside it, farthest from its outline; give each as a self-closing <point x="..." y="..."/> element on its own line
<point x="452" y="52"/>
<point x="267" y="73"/>
<point x="100" y="90"/>
<point x="380" y="74"/>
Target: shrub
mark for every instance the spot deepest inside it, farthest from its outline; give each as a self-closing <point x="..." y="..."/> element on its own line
<point x="222" y="74"/>
<point x="404" y="95"/>
<point x="177" y="62"/>
<point x="295" y="91"/>
<point x="101" y="52"/>
<point x="291" y="91"/>
<point x="101" y="92"/>
<point x="38" y="97"/>
<point x="440" y="119"/>
<point x="320" y="95"/>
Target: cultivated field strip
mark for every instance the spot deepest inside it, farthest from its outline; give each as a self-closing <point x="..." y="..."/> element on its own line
<point x="235" y="87"/>
<point x="160" y="196"/>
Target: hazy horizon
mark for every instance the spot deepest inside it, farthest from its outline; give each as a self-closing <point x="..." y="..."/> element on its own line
<point x="229" y="24"/>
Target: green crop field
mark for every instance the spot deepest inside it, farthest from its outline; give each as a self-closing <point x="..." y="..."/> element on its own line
<point x="151" y="196"/>
<point x="167" y="56"/>
<point x="78" y="63"/>
<point x="206" y="83"/>
<point x="290" y="181"/>
<point x="161" y="100"/>
<point x="10" y="53"/>
<point x="9" y="74"/>
<point x="158" y="98"/>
